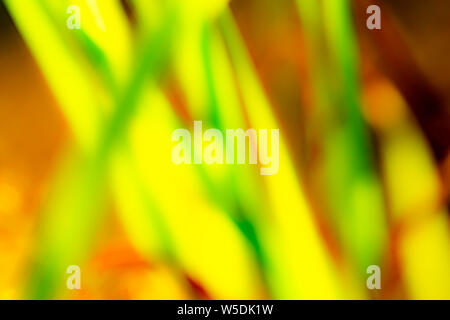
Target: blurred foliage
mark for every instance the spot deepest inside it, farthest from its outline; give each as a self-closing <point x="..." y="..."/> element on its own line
<point x="132" y="74"/>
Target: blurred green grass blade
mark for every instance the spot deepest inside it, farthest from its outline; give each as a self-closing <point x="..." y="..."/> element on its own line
<point x="355" y="195"/>
<point x="65" y="75"/>
<point x="291" y="225"/>
<point x="74" y="212"/>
